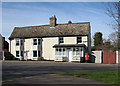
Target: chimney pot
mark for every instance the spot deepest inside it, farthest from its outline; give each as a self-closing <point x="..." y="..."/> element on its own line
<point x="53" y="21"/>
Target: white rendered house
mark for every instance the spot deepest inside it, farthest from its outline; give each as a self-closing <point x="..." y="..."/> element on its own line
<point x="58" y="42"/>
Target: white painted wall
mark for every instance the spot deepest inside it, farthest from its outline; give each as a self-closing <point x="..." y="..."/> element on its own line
<point x="12" y="50"/>
<point x="117" y="54"/>
<point x="73" y="40"/>
<point x="96" y="56"/>
<point x="48" y="51"/>
<point x="69" y="40"/>
<point x="28" y="47"/>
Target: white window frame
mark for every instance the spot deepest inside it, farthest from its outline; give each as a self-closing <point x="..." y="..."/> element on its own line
<point x="16" y="42"/>
<point x="77" y="40"/>
<point x="18" y="54"/>
<point x="37" y="41"/>
<point x="58" y="52"/>
<point x="59" y="40"/>
<point x="20" y="42"/>
<point x="33" y="42"/>
<point x="33" y="54"/>
<point x="37" y="53"/>
<point x="81" y="52"/>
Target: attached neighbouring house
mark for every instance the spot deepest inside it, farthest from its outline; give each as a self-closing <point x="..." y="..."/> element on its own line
<point x="3" y="47"/>
<point x="58" y="42"/>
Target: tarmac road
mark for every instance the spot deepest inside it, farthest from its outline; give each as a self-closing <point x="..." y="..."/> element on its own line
<point x="12" y="70"/>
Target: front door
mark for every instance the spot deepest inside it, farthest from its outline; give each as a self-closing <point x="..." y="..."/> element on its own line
<point x="69" y="55"/>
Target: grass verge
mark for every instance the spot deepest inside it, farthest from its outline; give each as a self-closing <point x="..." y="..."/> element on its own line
<point x="107" y="76"/>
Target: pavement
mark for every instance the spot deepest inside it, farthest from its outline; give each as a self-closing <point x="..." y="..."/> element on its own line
<point x="47" y="72"/>
<point x="51" y="79"/>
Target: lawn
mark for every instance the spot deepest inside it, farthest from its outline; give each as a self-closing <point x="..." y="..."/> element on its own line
<point x="108" y="76"/>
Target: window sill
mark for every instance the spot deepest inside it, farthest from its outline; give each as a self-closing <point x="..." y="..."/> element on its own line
<point x="34" y="57"/>
<point x="18" y="57"/>
<point x="76" y="56"/>
<point x="60" y="56"/>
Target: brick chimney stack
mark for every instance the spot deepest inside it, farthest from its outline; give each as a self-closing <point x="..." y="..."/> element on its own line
<point x="53" y="21"/>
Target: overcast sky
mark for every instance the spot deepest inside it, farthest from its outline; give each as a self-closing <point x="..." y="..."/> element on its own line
<point x="18" y="14"/>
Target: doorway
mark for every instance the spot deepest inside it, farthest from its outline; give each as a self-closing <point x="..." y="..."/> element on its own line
<point x="69" y="57"/>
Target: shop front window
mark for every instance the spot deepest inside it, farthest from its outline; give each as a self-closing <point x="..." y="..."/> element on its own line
<point x="77" y="52"/>
<point x="60" y="52"/>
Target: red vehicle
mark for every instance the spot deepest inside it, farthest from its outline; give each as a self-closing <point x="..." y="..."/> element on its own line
<point x="87" y="57"/>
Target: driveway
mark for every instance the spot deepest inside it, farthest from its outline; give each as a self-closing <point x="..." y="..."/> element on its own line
<point x="13" y="71"/>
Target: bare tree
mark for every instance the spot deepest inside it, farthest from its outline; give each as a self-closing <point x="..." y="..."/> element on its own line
<point x="113" y="11"/>
<point x="113" y="37"/>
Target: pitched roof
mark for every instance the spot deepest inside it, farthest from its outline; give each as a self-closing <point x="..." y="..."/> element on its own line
<point x="69" y="29"/>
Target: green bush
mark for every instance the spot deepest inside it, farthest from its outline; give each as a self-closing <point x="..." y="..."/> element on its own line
<point x="40" y="59"/>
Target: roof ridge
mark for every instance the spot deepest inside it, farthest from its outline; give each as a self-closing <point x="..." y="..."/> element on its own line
<point x="49" y="25"/>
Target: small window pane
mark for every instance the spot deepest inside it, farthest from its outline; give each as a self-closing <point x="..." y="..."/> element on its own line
<point x="74" y="51"/>
<point x="61" y="40"/>
<point x="22" y="42"/>
<point x="39" y="55"/>
<point x="77" y="49"/>
<point x="63" y="49"/>
<point x="57" y="52"/>
<point x="22" y="53"/>
<point x="17" y="53"/>
<point x="34" y="53"/>
<point x="17" y="42"/>
<point x="79" y="39"/>
<point x="39" y="40"/>
<point x="34" y="41"/>
<point x="77" y="53"/>
<point x="60" y="51"/>
<point x="56" y="49"/>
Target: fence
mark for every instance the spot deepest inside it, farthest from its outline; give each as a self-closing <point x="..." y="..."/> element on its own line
<point x="109" y="57"/>
<point x="104" y="57"/>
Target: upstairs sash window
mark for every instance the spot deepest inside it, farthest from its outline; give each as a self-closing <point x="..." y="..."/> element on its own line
<point x="39" y="40"/>
<point x="79" y="39"/>
<point x="34" y="41"/>
<point x="21" y="42"/>
<point x="22" y="53"/>
<point x="17" y="42"/>
<point x="61" y="40"/>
